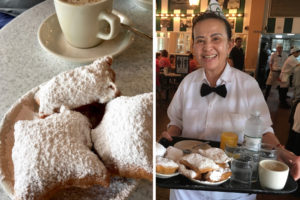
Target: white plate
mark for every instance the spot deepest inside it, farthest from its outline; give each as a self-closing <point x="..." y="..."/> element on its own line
<point x="144" y="3"/>
<point x="52" y="40"/>
<point x="191" y="145"/>
<point x="26" y="109"/>
<point x="209" y="183"/>
<point x="166" y="175"/>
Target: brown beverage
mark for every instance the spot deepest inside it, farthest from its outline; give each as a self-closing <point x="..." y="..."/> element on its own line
<point x="274" y="166"/>
<point x="80" y="2"/>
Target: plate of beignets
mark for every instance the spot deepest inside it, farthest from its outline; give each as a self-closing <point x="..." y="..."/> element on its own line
<point x="32" y="141"/>
<point x="166" y="168"/>
<point x="204" y="170"/>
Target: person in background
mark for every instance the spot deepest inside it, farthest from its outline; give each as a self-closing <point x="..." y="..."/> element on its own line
<point x="192" y="63"/>
<point x="198" y="111"/>
<point x="236" y="56"/>
<point x="157" y="58"/>
<point x="172" y="61"/>
<point x="276" y="62"/>
<point x="288" y="68"/>
<point x="262" y="65"/>
<point x="164" y="61"/>
<point x="294" y="133"/>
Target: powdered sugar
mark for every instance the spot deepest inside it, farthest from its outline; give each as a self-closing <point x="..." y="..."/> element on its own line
<point x="52" y="151"/>
<point x="119" y="189"/>
<point x="216" y="175"/>
<point x="160" y="150"/>
<point x="199" y="162"/>
<point x="173" y="153"/>
<point x="187" y="172"/>
<point x="124" y="137"/>
<point x="216" y="154"/>
<point x="165" y="162"/>
<point x="81" y="86"/>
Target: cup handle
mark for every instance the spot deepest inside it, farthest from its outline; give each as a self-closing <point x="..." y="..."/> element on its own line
<point x="114" y="23"/>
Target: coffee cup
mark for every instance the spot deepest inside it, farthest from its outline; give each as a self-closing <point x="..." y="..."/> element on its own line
<point x="273" y="174"/>
<point x="86" y="23"/>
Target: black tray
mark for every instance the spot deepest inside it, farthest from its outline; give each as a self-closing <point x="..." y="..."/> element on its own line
<point x="181" y="182"/>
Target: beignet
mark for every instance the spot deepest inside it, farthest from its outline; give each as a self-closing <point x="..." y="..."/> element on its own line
<point x="165" y="165"/>
<point x="218" y="175"/>
<point x="123" y="139"/>
<point x="198" y="163"/>
<point x="160" y="150"/>
<point x="173" y="153"/>
<point x="54" y="153"/>
<point x="80" y="86"/>
<point x="188" y="172"/>
<point x="216" y="154"/>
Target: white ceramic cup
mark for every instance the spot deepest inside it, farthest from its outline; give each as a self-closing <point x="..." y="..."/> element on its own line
<point x="86" y="23"/>
<point x="273" y="174"/>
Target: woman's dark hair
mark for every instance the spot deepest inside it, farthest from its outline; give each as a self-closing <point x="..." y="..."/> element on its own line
<point x="157" y="54"/>
<point x="211" y="15"/>
<point x="238" y="38"/>
<point x="191" y="56"/>
<point x="164" y="53"/>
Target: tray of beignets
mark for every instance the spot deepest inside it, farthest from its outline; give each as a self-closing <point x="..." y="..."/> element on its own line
<point x="76" y="137"/>
<point x="202" y="165"/>
<point x="195" y="160"/>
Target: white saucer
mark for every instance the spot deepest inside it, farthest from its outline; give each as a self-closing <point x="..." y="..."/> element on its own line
<point x="144" y="3"/>
<point x="209" y="183"/>
<point x="52" y="40"/>
<point x="166" y="175"/>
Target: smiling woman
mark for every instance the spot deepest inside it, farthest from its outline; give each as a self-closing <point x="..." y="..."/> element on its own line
<point x="211" y="46"/>
<point x="232" y="96"/>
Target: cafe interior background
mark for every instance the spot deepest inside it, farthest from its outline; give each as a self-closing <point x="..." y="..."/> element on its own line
<point x="255" y="21"/>
<point x="271" y="21"/>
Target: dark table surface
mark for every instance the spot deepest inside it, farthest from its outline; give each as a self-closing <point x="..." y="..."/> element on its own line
<point x="182" y="182"/>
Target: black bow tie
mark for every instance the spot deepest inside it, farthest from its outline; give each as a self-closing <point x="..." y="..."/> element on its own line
<point x="206" y="90"/>
<point x="279" y="55"/>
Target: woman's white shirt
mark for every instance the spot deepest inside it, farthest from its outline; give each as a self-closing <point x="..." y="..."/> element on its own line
<point x="207" y="117"/>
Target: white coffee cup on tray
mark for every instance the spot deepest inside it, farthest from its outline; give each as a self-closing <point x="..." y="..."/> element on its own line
<point x="86" y="23"/>
<point x="273" y="174"/>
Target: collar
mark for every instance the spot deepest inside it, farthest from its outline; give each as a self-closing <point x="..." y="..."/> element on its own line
<point x="223" y="79"/>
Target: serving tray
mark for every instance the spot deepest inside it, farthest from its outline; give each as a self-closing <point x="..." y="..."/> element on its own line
<point x="182" y="182"/>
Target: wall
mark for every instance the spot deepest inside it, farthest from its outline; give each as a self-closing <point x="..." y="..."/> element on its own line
<point x="256" y="24"/>
<point x="175" y="30"/>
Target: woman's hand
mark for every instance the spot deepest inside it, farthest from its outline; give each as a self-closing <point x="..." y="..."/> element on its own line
<point x="294" y="165"/>
<point x="291" y="160"/>
<point x="172" y="131"/>
<point x="166" y="135"/>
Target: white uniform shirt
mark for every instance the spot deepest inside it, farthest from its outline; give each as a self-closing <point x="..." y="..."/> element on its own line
<point x="276" y="61"/>
<point x="289" y="64"/>
<point x="287" y="70"/>
<point x="207" y="117"/>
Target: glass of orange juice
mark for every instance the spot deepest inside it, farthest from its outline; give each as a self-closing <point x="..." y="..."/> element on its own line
<point x="229" y="138"/>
